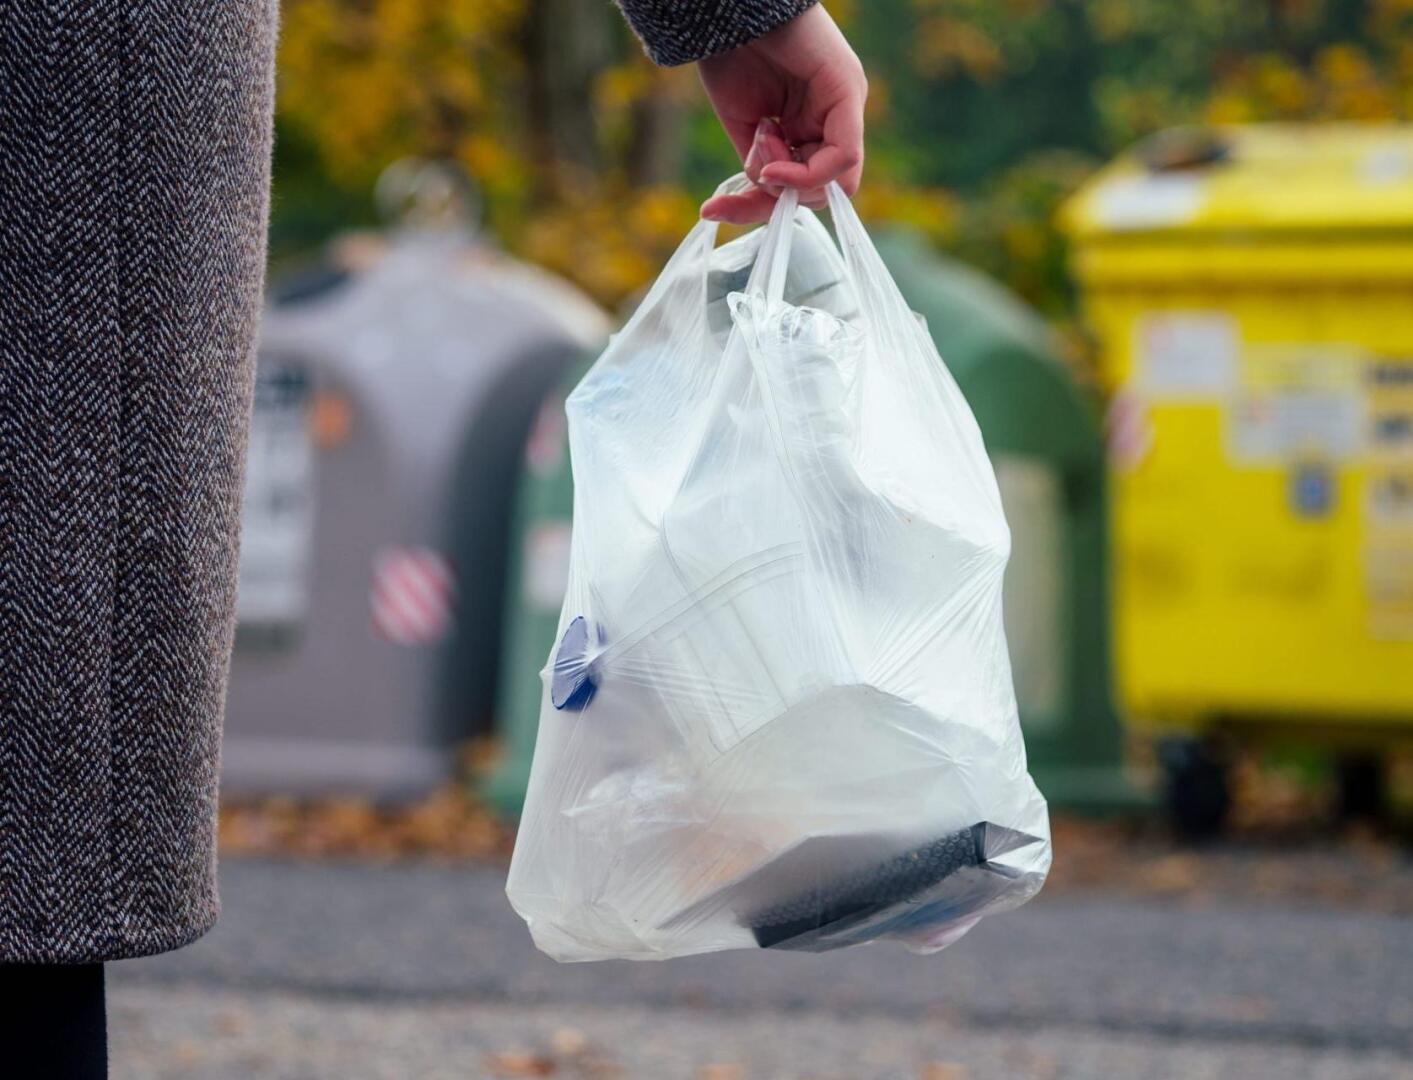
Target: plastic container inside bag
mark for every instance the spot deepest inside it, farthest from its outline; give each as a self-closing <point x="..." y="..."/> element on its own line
<point x="779" y="711"/>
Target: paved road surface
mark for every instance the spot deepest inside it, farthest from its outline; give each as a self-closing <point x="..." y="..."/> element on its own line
<point x="329" y="970"/>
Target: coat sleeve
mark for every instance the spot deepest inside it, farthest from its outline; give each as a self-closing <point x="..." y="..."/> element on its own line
<point x="682" y="31"/>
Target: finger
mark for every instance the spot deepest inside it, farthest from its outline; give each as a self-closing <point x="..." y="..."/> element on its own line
<point x="814" y="198"/>
<point x="768" y="146"/>
<point x="748" y="208"/>
<point x="838" y="157"/>
<point x="741" y="136"/>
<point x="829" y="163"/>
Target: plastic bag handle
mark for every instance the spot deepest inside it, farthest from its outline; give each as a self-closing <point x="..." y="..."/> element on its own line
<point x="773" y="259"/>
<point x="873" y="283"/>
<point x="774" y="256"/>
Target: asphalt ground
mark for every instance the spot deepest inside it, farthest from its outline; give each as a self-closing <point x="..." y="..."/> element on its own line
<point x="341" y="969"/>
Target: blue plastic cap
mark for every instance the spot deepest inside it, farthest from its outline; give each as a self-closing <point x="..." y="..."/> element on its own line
<point x="572" y="684"/>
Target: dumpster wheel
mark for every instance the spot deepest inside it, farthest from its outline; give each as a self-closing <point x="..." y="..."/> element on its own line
<point x="1196" y="786"/>
<point x="1363" y="787"/>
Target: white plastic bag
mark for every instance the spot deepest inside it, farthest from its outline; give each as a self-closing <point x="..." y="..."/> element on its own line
<point x="779" y="712"/>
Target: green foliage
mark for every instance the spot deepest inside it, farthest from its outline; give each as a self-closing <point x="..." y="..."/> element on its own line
<point x="1010" y="103"/>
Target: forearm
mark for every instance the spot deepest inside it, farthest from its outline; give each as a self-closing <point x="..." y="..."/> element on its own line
<point x="684" y="31"/>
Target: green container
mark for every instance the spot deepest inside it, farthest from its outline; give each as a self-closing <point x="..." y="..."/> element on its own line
<point x="1044" y="437"/>
<point x="537" y="567"/>
<point x="1045" y="440"/>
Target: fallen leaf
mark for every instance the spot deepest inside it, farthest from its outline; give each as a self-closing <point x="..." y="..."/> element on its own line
<point x="519" y="1063"/>
<point x="569" y="1042"/>
<point x="1173" y="874"/>
<point x="187" y="1053"/>
<point x="721" y="1071"/>
<point x="232" y="1022"/>
<point x="943" y="1070"/>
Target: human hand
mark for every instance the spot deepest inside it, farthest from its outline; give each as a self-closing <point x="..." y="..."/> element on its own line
<point x="805" y="75"/>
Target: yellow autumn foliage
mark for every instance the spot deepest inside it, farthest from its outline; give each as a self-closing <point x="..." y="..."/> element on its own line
<point x="363" y="83"/>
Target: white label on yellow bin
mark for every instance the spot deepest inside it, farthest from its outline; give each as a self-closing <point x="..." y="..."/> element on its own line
<point x="1389" y="500"/>
<point x="1388" y="551"/>
<point x="1388" y="581"/>
<point x="1186" y="355"/>
<point x="1297" y="402"/>
<point x="1145" y="202"/>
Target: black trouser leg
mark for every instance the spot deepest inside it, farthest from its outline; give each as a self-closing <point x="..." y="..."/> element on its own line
<point x="53" y="1022"/>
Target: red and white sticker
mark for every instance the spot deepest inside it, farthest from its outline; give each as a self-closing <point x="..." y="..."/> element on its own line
<point x="412" y="596"/>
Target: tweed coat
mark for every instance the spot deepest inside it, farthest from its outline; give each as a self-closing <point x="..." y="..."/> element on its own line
<point x="135" y="146"/>
<point x="682" y="31"/>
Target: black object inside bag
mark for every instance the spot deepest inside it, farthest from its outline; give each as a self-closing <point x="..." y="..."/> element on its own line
<point x="943" y="880"/>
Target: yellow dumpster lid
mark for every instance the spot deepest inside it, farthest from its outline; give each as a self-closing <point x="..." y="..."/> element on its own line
<point x="1278" y="178"/>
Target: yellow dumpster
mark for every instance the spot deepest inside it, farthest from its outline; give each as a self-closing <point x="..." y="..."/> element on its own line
<point x="1251" y="289"/>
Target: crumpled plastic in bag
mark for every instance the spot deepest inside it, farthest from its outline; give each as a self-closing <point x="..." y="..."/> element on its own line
<point x="779" y="711"/>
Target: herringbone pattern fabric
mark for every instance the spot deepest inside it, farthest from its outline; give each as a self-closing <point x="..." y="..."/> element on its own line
<point x="684" y="31"/>
<point x="134" y="149"/>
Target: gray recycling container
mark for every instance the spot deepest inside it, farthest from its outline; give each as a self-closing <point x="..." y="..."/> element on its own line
<point x="392" y="403"/>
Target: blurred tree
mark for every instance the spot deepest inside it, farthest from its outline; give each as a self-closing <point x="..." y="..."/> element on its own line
<point x="984" y="114"/>
<point x="565" y="44"/>
<point x="546" y="104"/>
<point x="1009" y="103"/>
